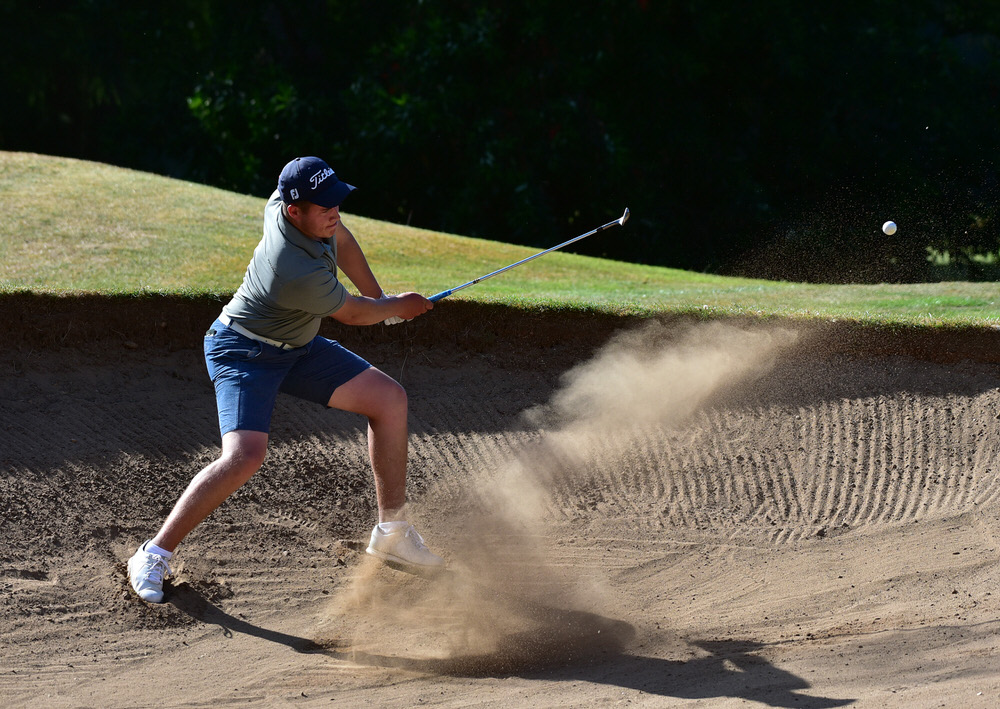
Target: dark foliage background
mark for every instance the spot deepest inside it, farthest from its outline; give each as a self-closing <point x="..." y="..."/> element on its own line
<point x="768" y="139"/>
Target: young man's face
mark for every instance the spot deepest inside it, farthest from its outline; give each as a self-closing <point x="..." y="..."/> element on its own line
<point x="314" y="221"/>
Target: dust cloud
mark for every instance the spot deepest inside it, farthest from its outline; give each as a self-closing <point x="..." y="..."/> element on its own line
<point x="655" y="375"/>
<point x="511" y="599"/>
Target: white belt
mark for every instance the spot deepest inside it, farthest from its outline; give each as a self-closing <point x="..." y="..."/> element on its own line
<point x="230" y="323"/>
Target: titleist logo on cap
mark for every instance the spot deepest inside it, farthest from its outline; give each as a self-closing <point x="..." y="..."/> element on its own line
<point x="318" y="178"/>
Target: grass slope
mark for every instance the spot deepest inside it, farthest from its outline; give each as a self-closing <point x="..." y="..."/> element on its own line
<point x="72" y="225"/>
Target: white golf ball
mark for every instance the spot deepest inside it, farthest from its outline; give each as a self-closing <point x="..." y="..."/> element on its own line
<point x="889" y="228"/>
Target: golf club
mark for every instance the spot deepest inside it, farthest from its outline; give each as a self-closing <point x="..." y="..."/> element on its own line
<point x="445" y="293"/>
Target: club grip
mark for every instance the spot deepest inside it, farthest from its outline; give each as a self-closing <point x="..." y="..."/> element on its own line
<point x="438" y="296"/>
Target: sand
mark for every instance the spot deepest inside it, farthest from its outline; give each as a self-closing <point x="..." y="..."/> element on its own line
<point x="647" y="514"/>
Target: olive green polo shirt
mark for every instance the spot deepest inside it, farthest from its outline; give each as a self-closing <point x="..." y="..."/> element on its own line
<point x="291" y="283"/>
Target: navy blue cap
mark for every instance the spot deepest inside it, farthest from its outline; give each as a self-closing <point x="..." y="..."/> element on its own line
<point x="313" y="180"/>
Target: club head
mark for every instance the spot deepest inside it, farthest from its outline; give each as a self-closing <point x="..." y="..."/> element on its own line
<point x="624" y="217"/>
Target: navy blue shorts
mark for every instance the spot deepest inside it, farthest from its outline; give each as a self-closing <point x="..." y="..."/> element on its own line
<point x="248" y="375"/>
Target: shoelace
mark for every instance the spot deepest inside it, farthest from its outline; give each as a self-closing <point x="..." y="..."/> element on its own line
<point x="154" y="568"/>
<point x="413" y="534"/>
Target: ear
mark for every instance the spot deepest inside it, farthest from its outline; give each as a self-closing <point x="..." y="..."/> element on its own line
<point x="295" y="214"/>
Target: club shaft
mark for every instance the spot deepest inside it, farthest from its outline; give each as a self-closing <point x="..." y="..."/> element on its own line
<point x="444" y="294"/>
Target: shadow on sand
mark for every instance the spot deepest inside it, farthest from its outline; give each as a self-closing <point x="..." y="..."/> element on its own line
<point x="568" y="645"/>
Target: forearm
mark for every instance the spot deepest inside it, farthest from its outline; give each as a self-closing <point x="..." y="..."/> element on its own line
<point x="361" y="310"/>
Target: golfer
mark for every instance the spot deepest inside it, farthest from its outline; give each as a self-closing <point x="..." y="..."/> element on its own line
<point x="265" y="341"/>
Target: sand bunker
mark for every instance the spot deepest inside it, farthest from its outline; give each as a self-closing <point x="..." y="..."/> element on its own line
<point x="689" y="513"/>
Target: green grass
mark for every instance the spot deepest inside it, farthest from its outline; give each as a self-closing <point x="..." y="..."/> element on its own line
<point x="73" y="226"/>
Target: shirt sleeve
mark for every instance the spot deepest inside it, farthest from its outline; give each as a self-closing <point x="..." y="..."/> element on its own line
<point x="319" y="294"/>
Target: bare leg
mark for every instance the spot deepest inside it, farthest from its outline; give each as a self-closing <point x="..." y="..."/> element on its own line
<point x="379" y="397"/>
<point x="242" y="455"/>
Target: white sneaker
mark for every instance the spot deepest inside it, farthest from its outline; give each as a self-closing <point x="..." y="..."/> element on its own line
<point x="403" y="546"/>
<point x="146" y="572"/>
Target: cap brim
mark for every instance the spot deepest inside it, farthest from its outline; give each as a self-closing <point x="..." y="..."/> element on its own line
<point x="333" y="195"/>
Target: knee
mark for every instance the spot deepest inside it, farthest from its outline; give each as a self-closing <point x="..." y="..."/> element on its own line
<point x="242" y="461"/>
<point x="391" y="401"/>
<point x="397" y="399"/>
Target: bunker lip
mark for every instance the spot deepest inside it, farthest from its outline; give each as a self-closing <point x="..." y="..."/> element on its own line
<point x="507" y="334"/>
